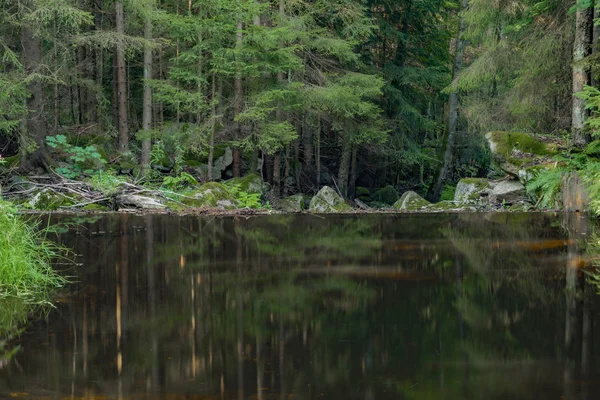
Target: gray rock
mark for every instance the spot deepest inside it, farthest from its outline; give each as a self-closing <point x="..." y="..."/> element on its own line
<point x="221" y="163"/>
<point x="472" y="190"/>
<point x="142" y="202"/>
<point x="251" y="184"/>
<point x="410" y="201"/>
<point x="328" y="201"/>
<point x="295" y="203"/>
<point x="508" y="192"/>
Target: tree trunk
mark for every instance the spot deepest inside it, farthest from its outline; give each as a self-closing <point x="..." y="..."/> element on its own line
<point x="307" y="144"/>
<point x="353" y="173"/>
<point x="435" y="191"/>
<point x="121" y="82"/>
<point x="237" y="102"/>
<point x="213" y="124"/>
<point x="318" y="138"/>
<point x="147" y="107"/>
<point x="34" y="125"/>
<point x="277" y="174"/>
<point x="344" y="172"/>
<point x="581" y="78"/>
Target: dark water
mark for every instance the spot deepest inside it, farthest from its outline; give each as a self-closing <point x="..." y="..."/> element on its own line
<point x="306" y="307"/>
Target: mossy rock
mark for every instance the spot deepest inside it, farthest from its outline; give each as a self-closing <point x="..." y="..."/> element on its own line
<point x="411" y="201"/>
<point x="328" y="201"/>
<point x="472" y="190"/>
<point x="512" y="151"/>
<point x="211" y="195"/>
<point x="387" y="195"/>
<point x="47" y="200"/>
<point x="295" y="203"/>
<point x="251" y="184"/>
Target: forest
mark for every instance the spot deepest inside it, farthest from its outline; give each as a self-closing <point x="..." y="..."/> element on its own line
<point x="373" y="98"/>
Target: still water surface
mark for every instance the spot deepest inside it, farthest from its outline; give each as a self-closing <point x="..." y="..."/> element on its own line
<point x="471" y="306"/>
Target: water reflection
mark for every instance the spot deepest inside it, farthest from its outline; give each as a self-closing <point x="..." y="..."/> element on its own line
<point x="370" y="307"/>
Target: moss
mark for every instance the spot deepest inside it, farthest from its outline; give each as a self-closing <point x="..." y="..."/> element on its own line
<point x="295" y="203"/>
<point x="251" y="184"/>
<point x="411" y="201"/>
<point x="506" y="142"/>
<point x="328" y="201"/>
<point x="471" y="189"/>
<point x="387" y="195"/>
<point x="175" y="206"/>
<point x="211" y="195"/>
<point x="445" y="206"/>
<point x="45" y="200"/>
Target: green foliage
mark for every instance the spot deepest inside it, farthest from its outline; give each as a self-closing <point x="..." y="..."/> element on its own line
<point x="25" y="259"/>
<point x="591" y="96"/>
<point x="246" y="200"/>
<point x="106" y="181"/>
<point x="546" y="184"/>
<point x="84" y="160"/>
<point x="448" y="193"/>
<point x="179" y="182"/>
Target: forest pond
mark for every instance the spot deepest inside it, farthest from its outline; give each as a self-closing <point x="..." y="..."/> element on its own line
<point x="444" y="306"/>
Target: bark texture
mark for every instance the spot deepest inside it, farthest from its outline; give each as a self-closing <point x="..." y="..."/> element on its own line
<point x="123" y="125"/>
<point x="581" y="76"/>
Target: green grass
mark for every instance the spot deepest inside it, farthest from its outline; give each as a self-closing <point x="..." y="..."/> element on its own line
<point x="25" y="260"/>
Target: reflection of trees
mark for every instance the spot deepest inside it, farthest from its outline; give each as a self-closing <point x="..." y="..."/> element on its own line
<point x="227" y="307"/>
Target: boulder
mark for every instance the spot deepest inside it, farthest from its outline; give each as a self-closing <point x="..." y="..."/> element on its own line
<point x="141" y="202"/>
<point x="211" y="195"/>
<point x="508" y="192"/>
<point x="251" y="184"/>
<point x="295" y="203"/>
<point x="328" y="201"/>
<point x="472" y="190"/>
<point x="387" y="195"/>
<point x="515" y="152"/>
<point x="220" y="164"/>
<point x="410" y="201"/>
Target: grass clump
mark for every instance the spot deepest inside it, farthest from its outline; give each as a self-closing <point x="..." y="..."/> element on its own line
<point x="25" y="260"/>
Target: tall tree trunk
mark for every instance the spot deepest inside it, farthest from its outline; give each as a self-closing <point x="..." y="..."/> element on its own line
<point x="237" y="102"/>
<point x="34" y="125"/>
<point x="581" y="77"/>
<point x="213" y="124"/>
<point x="279" y="117"/>
<point x="435" y="191"/>
<point x="123" y="126"/>
<point x="147" y="107"/>
<point x="344" y="172"/>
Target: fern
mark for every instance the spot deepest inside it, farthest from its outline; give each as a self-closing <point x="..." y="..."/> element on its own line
<point x="546" y="185"/>
<point x="181" y="181"/>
